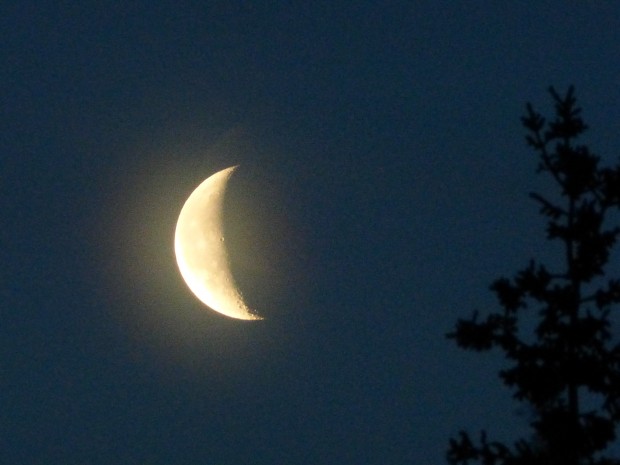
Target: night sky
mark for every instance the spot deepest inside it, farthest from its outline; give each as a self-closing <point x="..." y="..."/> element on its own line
<point x="383" y="185"/>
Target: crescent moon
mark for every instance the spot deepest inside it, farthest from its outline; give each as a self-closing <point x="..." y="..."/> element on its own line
<point x="201" y="252"/>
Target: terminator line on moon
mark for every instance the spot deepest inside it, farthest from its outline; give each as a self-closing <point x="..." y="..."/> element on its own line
<point x="201" y="252"/>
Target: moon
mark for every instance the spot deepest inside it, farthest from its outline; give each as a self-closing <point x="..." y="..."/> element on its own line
<point x="200" y="249"/>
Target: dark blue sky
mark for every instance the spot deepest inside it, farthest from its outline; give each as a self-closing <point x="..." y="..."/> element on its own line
<point x="383" y="186"/>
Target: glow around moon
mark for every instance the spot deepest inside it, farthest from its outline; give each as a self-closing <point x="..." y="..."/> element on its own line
<point x="200" y="249"/>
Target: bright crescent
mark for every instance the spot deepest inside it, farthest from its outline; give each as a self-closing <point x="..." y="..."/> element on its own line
<point x="201" y="252"/>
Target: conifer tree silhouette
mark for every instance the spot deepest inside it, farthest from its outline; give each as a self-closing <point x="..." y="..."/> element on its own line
<point x="572" y="356"/>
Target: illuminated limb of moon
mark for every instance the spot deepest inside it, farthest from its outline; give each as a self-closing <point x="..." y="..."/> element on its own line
<point x="201" y="252"/>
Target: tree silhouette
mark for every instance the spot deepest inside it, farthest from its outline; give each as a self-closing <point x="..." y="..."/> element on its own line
<point x="568" y="368"/>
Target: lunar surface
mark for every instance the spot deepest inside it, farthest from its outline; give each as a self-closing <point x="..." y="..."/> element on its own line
<point x="200" y="249"/>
